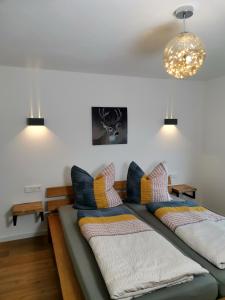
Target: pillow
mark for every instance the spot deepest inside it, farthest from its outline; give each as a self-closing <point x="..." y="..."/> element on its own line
<point x="94" y="193"/>
<point x="143" y="189"/>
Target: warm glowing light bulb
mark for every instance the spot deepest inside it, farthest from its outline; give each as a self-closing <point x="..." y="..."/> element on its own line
<point x="184" y="55"/>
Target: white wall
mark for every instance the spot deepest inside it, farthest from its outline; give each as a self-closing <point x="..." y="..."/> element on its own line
<point x="213" y="160"/>
<point x="29" y="156"/>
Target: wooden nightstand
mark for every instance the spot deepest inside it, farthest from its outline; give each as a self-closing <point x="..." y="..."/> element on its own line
<point x="184" y="189"/>
<point x="26" y="209"/>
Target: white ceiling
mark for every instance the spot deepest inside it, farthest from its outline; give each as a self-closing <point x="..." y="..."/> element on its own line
<point x="124" y="37"/>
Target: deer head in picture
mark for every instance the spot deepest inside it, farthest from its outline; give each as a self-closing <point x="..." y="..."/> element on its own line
<point x="111" y="122"/>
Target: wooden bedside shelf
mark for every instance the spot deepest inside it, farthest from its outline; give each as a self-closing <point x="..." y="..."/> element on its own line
<point x="26" y="209"/>
<point x="185" y="189"/>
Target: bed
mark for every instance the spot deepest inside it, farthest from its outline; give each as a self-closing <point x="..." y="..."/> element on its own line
<point x="92" y="284"/>
<point x="218" y="274"/>
<point x="79" y="275"/>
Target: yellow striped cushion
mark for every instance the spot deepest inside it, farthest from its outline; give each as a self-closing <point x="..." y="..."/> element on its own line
<point x="100" y="192"/>
<point x="143" y="188"/>
<point x="94" y="193"/>
<point x="146" y="189"/>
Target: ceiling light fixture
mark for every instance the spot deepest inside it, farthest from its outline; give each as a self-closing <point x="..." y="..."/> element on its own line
<point x="184" y="54"/>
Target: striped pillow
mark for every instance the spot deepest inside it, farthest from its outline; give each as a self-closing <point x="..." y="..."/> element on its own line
<point x="94" y="193"/>
<point x="143" y="188"/>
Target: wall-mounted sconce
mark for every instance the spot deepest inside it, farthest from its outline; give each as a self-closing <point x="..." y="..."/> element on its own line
<point x="170" y="121"/>
<point x="35" y="121"/>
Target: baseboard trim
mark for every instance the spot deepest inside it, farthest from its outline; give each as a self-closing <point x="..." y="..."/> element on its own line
<point x="22" y="236"/>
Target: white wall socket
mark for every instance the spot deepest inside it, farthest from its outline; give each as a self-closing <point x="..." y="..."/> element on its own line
<point x="32" y="188"/>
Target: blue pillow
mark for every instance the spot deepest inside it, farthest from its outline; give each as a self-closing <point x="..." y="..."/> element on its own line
<point x="82" y="183"/>
<point x="143" y="189"/>
<point x="134" y="175"/>
<point x="94" y="193"/>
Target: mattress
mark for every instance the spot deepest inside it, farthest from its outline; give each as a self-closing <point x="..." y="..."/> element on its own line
<point x="218" y="274"/>
<point x="203" y="287"/>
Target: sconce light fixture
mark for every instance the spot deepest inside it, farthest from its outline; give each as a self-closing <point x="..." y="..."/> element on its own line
<point x="35" y="121"/>
<point x="170" y="121"/>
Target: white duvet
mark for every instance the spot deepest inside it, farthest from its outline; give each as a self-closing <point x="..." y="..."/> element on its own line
<point x="207" y="238"/>
<point x="138" y="263"/>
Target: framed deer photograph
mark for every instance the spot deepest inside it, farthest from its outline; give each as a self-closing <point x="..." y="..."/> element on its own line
<point x="109" y="125"/>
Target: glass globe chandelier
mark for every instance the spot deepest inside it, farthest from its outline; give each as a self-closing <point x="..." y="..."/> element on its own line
<point x="184" y="54"/>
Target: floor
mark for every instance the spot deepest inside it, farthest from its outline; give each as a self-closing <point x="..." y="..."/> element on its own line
<point x="28" y="271"/>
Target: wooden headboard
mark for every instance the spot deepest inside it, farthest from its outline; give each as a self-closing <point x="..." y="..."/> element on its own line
<point x="63" y="194"/>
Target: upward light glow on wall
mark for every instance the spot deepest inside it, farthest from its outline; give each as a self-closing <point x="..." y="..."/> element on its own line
<point x="35" y="117"/>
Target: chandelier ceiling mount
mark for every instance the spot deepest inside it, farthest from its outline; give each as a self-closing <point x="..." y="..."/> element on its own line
<point x="184" y="12"/>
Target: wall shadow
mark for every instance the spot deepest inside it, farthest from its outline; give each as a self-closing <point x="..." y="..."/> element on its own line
<point x="154" y="40"/>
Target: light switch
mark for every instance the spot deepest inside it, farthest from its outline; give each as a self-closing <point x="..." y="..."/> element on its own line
<point x="32" y="188"/>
